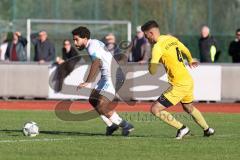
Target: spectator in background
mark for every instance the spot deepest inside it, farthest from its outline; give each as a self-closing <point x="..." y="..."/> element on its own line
<point x="44" y="49"/>
<point x="140" y="48"/>
<point x="16" y="50"/>
<point x="3" y="47"/>
<point x="111" y="45"/>
<point x="234" y="48"/>
<point x="209" y="51"/>
<point x="66" y="64"/>
<point x="67" y="52"/>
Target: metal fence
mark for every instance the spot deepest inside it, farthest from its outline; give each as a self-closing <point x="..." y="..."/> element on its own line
<point x="182" y="18"/>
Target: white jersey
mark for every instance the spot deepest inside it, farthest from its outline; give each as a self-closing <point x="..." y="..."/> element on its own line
<point x="97" y="49"/>
<point x="112" y="77"/>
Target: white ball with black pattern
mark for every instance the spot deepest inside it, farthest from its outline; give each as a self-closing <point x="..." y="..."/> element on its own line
<point x="30" y="129"/>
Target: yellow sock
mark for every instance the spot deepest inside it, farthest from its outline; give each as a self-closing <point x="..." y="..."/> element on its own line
<point x="197" y="116"/>
<point x="169" y="119"/>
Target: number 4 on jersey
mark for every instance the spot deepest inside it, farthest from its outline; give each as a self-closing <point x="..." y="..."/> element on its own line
<point x="179" y="55"/>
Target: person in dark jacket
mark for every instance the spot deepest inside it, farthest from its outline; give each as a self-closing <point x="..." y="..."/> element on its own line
<point x="140" y="47"/>
<point x="44" y="49"/>
<point x="209" y="51"/>
<point x="68" y="52"/>
<point x="234" y="48"/>
<point x="66" y="64"/>
<point x="16" y="50"/>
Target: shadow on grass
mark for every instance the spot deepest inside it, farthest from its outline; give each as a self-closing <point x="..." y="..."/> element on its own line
<point x="66" y="133"/>
<point x="12" y="132"/>
<point x="75" y="133"/>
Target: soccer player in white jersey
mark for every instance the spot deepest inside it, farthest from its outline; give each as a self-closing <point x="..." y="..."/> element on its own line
<point x="110" y="82"/>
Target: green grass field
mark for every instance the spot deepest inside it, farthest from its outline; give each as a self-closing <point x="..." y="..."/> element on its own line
<point x="152" y="139"/>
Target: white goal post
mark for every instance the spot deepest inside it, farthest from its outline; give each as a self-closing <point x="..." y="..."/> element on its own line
<point x="61" y="21"/>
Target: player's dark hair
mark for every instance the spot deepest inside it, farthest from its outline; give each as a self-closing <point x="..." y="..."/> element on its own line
<point x="238" y="30"/>
<point x="82" y="32"/>
<point x="149" y="25"/>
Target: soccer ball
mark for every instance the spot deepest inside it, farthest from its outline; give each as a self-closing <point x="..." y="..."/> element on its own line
<point x="30" y="129"/>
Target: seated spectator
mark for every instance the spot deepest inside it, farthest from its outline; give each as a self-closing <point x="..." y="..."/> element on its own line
<point x="44" y="49"/>
<point x="140" y="48"/>
<point x="66" y="64"/>
<point x="208" y="48"/>
<point x="16" y="50"/>
<point x="234" y="48"/>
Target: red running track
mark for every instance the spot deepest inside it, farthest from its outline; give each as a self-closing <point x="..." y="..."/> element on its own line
<point x="134" y="107"/>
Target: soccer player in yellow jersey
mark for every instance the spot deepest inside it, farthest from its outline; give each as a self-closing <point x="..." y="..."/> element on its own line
<point x="169" y="51"/>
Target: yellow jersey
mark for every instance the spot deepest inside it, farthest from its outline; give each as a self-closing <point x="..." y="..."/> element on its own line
<point x="168" y="50"/>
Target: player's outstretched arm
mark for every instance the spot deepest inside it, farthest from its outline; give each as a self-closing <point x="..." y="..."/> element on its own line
<point x="185" y="51"/>
<point x="193" y="63"/>
<point x="92" y="73"/>
<point x="93" y="70"/>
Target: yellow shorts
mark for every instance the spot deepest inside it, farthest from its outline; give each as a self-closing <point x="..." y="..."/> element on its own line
<point x="179" y="93"/>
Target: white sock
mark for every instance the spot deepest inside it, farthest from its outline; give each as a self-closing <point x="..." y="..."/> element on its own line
<point x="106" y="120"/>
<point x="115" y="118"/>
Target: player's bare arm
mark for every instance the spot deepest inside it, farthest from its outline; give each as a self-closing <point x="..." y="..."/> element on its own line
<point x="92" y="73"/>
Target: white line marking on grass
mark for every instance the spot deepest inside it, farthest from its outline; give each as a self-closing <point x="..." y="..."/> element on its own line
<point x="35" y="140"/>
<point x="227" y="135"/>
<point x="114" y="137"/>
